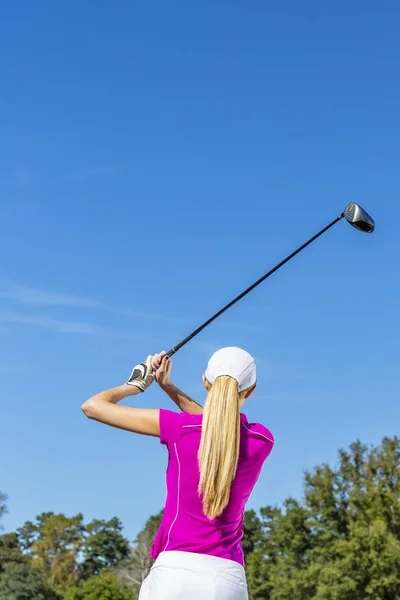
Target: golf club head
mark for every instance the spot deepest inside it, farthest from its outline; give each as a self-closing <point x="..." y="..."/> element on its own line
<point x="359" y="218"/>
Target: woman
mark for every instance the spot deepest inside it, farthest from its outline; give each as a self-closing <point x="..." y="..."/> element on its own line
<point x="215" y="458"/>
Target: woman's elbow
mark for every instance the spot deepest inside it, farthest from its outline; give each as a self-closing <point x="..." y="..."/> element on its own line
<point x="89" y="408"/>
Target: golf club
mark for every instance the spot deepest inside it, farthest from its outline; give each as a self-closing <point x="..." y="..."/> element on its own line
<point x="353" y="213"/>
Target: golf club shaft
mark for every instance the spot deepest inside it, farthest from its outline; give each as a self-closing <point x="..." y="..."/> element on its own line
<point x="249" y="289"/>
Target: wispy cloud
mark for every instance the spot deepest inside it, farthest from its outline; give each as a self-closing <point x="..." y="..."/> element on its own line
<point x="35" y="297"/>
<point x="56" y="325"/>
<point x="19" y="294"/>
<point x="72" y="327"/>
<point x="30" y="296"/>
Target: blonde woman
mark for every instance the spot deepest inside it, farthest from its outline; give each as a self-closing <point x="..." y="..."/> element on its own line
<point x="215" y="459"/>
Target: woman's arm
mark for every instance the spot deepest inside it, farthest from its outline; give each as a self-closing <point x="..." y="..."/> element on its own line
<point x="103" y="407"/>
<point x="183" y="401"/>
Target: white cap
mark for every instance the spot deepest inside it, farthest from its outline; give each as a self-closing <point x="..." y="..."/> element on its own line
<point x="236" y="363"/>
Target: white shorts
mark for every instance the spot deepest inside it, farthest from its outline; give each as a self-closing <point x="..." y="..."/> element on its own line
<point x="189" y="576"/>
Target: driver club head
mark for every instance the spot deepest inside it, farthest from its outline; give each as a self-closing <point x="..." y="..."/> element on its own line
<point x="359" y="218"/>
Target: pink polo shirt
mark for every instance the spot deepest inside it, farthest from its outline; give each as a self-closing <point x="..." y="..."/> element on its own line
<point x="184" y="526"/>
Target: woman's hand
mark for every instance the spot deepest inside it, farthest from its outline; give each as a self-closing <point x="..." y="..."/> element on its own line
<point x="162" y="366"/>
<point x="142" y="375"/>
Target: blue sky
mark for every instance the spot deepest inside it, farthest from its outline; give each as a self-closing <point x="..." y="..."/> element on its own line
<point x="155" y="159"/>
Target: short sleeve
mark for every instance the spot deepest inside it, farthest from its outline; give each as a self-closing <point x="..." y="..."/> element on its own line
<point x="170" y="426"/>
<point x="269" y="443"/>
<point x="262" y="441"/>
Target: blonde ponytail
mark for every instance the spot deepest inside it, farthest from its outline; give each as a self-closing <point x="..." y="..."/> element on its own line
<point x="219" y="446"/>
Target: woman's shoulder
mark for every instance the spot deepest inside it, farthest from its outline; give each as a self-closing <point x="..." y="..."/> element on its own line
<point x="258" y="430"/>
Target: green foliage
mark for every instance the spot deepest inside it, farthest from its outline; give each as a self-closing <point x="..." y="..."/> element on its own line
<point x="10" y="551"/>
<point x="342" y="542"/>
<point x="99" y="587"/>
<point x="62" y="550"/>
<point x="23" y="582"/>
<point x="27" y="534"/>
<point x="103" y="546"/>
<point x="53" y="544"/>
<point x="253" y="532"/>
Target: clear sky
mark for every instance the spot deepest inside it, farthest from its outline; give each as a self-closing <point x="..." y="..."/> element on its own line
<point x="155" y="159"/>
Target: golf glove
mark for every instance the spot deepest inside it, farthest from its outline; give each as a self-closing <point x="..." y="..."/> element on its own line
<point x="142" y="375"/>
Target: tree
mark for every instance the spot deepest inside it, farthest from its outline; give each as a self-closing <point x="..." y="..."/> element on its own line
<point x="28" y="533"/>
<point x="99" y="587"/>
<point x="103" y="546"/>
<point x="355" y="516"/>
<point x="10" y="551"/>
<point x="65" y="551"/>
<point x="135" y="570"/>
<point x="53" y="544"/>
<point x="253" y="532"/>
<point x="279" y="554"/>
<point x="23" y="582"/>
<point x="342" y="542"/>
<point x="366" y="565"/>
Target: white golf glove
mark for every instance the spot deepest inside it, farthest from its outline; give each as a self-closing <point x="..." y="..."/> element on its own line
<point x="142" y="375"/>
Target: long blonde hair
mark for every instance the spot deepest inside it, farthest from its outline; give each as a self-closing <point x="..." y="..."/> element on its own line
<point x="219" y="447"/>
